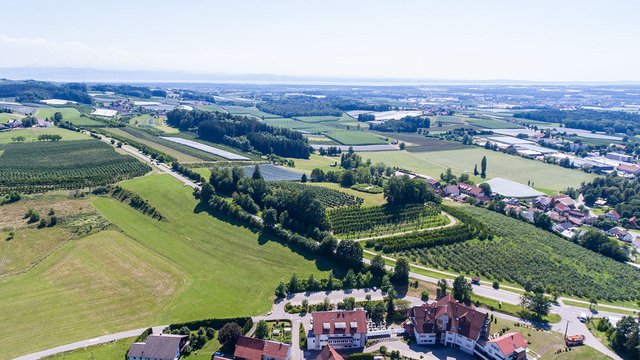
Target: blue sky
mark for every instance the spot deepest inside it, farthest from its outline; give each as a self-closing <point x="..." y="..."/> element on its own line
<point x="541" y="40"/>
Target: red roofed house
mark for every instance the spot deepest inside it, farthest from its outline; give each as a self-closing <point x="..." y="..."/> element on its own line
<point x="511" y="346"/>
<point x="471" y="190"/>
<point x="629" y="169"/>
<point x="255" y="349"/>
<point x="448" y="322"/>
<point x="613" y="215"/>
<point x="329" y="353"/>
<point x="342" y="329"/>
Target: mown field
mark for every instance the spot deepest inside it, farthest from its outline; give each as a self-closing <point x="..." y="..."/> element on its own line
<point x="354" y="137"/>
<point x="5" y="117"/>
<point x="71" y="115"/>
<point x="544" y="176"/>
<point x="248" y="110"/>
<point x="335" y="130"/>
<point x="32" y="134"/>
<point x="191" y="266"/>
<point x="180" y="156"/>
<point x="43" y="166"/>
<point x="115" y="350"/>
<point x="493" y="124"/>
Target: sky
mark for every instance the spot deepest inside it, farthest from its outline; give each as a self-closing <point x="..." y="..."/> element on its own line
<point x="560" y="40"/>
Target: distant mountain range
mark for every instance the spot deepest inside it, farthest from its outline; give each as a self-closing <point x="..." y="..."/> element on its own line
<point x="148" y="76"/>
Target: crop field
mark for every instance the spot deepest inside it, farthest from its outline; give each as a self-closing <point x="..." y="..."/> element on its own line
<point x="71" y="115"/>
<point x="524" y="254"/>
<point x="543" y="176"/>
<point x="369" y="199"/>
<point x="298" y="125"/>
<point x="182" y="157"/>
<point x="271" y="172"/>
<point x="211" y="107"/>
<point x="493" y="124"/>
<point x="191" y="266"/>
<point x="330" y="198"/>
<point x="32" y="134"/>
<point x="44" y="166"/>
<point x="420" y="143"/>
<point x="359" y="222"/>
<point x="206" y="148"/>
<point x="354" y="137"/>
<point x="248" y="110"/>
<point x="317" y="119"/>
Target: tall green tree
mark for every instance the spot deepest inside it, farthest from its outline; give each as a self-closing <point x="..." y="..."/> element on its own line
<point x="442" y="288"/>
<point x="483" y="167"/>
<point x="257" y="175"/>
<point x="462" y="290"/>
<point x="262" y="330"/>
<point x="401" y="272"/>
<point x="349" y="253"/>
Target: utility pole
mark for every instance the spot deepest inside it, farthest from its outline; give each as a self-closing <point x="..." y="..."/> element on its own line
<point x="566" y="329"/>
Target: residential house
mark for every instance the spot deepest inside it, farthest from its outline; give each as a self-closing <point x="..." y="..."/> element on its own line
<point x="576" y="214"/>
<point x="451" y="190"/>
<point x="561" y="227"/>
<point x="471" y="190"/>
<point x="510" y="346"/>
<point x="158" y="347"/>
<point x="613" y="215"/>
<point x="449" y="323"/>
<point x="568" y="202"/>
<point x="600" y="202"/>
<point x="542" y="202"/>
<point x="14" y="123"/>
<point x="561" y="208"/>
<point x="256" y="349"/>
<point x="555" y="217"/>
<point x="620" y="233"/>
<point x="342" y="329"/>
<point x="619" y="157"/>
<point x="329" y="353"/>
<point x="630" y="169"/>
<point x="529" y="214"/>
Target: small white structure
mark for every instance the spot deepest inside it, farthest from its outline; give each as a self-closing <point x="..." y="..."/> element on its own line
<point x="105" y="112"/>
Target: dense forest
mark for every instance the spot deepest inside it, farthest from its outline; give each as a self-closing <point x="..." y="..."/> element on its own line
<point x="620" y="193"/>
<point x="607" y="121"/>
<point x="408" y="124"/>
<point x="299" y="106"/>
<point x="242" y="132"/>
<point x="34" y="91"/>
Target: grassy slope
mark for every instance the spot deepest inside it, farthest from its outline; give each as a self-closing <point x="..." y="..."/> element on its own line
<point x="5" y="117"/>
<point x="68" y="114"/>
<point x="100" y="284"/>
<point x="231" y="270"/>
<point x="114" y="350"/>
<point x="544" y="176"/>
<point x="33" y="133"/>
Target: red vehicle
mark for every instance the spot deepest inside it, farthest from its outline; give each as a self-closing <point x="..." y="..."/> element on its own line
<point x="574" y="340"/>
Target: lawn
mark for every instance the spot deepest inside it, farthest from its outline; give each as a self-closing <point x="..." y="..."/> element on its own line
<point x="543" y="176"/>
<point x="32" y="134"/>
<point x="71" y="115"/>
<point x="315" y="161"/>
<point x="114" y="350"/>
<point x="191" y="266"/>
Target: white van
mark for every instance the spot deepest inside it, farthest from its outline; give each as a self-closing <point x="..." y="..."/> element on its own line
<point x="582" y="317"/>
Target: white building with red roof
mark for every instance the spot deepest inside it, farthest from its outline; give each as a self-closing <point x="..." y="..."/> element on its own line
<point x="511" y="346"/>
<point x="449" y="323"/>
<point x="342" y="329"/>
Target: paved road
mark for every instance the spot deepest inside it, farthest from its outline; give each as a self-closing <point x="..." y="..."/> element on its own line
<point x="89" y="342"/>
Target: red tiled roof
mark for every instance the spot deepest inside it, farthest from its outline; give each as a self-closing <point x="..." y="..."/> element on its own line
<point x="347" y="321"/>
<point x="471" y="189"/>
<point x="463" y="320"/>
<point x="632" y="169"/>
<point x="254" y="349"/>
<point x="508" y="343"/>
<point x="329" y="353"/>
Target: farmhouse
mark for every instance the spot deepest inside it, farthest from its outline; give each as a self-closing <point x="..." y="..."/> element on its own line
<point x="511" y="346"/>
<point x="620" y="233"/>
<point x="613" y="215"/>
<point x="449" y="323"/>
<point x="451" y="190"/>
<point x="342" y="329"/>
<point x="255" y="349"/>
<point x="470" y="190"/>
<point x="158" y="347"/>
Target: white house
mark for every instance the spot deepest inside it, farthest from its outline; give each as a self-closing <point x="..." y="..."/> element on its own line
<point x="510" y="346"/>
<point x="449" y="323"/>
<point x="342" y="329"/>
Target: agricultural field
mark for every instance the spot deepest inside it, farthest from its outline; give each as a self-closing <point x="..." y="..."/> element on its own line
<point x="180" y="156"/>
<point x="420" y="143"/>
<point x="154" y="121"/>
<point x="44" y="166"/>
<point x="330" y="198"/>
<point x="71" y="115"/>
<point x="211" y="107"/>
<point x="543" y="176"/>
<point x="5" y="117"/>
<point x="369" y="199"/>
<point x="315" y="161"/>
<point x="206" y="148"/>
<point x="271" y="172"/>
<point x="360" y="222"/>
<point x="493" y="123"/>
<point x="526" y="255"/>
<point x="318" y="119"/>
<point x="354" y="137"/>
<point x="89" y="287"/>
<point x="32" y="134"/>
<point x="248" y="110"/>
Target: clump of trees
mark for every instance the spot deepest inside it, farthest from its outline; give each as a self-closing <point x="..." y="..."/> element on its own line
<point x="403" y="190"/>
<point x="408" y="124"/>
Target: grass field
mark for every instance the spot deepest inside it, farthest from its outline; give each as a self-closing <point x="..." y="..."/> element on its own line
<point x="354" y="137"/>
<point x="68" y="114"/>
<point x="317" y="119"/>
<point x="182" y="157"/>
<point x="5" y="117"/>
<point x="246" y="110"/>
<point x="315" y="161"/>
<point x="544" y="176"/>
<point x="32" y="134"/>
<point x="493" y="124"/>
<point x="191" y="266"/>
<point x="115" y="350"/>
